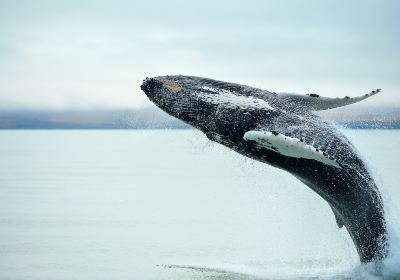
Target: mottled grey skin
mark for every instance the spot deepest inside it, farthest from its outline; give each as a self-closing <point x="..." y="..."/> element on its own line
<point x="350" y="190"/>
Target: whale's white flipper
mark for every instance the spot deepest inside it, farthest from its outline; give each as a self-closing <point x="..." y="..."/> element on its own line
<point x="288" y="146"/>
<point x="317" y="103"/>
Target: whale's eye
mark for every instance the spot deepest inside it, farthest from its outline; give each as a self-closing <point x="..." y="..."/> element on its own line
<point x="171" y="86"/>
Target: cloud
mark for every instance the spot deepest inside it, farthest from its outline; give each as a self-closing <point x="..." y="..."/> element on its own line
<point x="96" y="53"/>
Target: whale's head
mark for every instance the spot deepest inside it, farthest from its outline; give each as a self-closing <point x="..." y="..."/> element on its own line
<point x="217" y="108"/>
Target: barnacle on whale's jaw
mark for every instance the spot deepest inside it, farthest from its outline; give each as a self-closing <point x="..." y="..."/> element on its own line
<point x="159" y="85"/>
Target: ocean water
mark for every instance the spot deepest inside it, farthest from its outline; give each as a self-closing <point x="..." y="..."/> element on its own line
<point x="169" y="204"/>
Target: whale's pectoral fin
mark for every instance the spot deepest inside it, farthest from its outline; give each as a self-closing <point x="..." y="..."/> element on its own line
<point x="338" y="218"/>
<point x="288" y="146"/>
<point x="317" y="103"/>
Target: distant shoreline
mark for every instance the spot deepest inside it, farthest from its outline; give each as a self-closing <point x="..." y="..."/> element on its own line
<point x="352" y="125"/>
<point x="153" y="118"/>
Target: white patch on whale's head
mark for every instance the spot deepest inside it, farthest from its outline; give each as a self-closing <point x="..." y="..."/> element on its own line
<point x="232" y="100"/>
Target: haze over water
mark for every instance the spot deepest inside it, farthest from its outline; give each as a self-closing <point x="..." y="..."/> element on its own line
<point x="169" y="204"/>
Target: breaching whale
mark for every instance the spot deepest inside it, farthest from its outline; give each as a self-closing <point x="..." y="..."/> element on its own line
<point x="282" y="130"/>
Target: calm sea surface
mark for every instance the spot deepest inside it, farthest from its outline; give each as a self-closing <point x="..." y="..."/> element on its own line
<point x="169" y="204"/>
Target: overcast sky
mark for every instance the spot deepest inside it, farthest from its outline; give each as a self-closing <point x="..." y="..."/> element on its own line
<point x="84" y="54"/>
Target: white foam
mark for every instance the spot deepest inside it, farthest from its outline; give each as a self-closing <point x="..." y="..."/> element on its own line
<point x="288" y="146"/>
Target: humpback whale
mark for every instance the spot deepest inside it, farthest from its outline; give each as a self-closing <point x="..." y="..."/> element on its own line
<point x="282" y="130"/>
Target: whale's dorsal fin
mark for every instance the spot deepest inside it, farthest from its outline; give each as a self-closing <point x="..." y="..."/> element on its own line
<point x="338" y="218"/>
<point x="288" y="146"/>
<point x="317" y="103"/>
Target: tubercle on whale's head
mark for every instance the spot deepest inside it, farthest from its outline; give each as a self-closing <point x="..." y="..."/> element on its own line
<point x="151" y="87"/>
